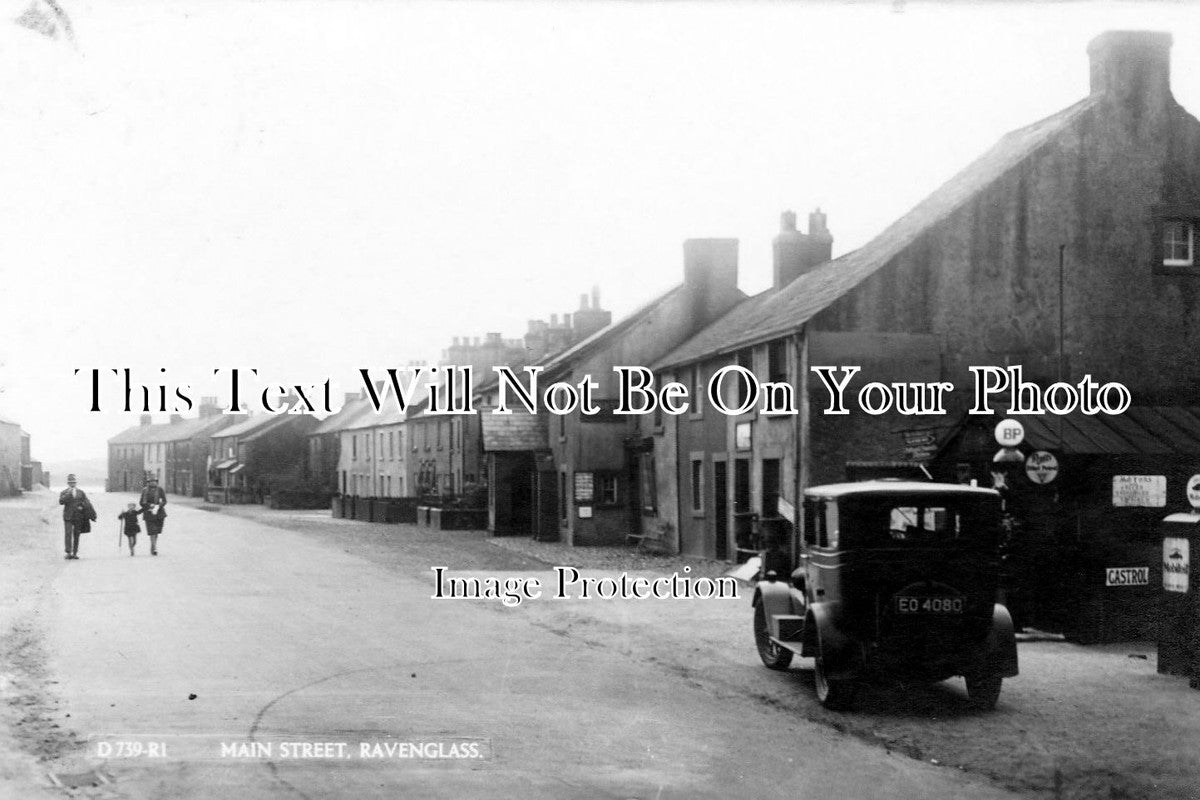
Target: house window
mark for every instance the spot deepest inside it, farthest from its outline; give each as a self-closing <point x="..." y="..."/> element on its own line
<point x="696" y="378"/>
<point x="1178" y="238"/>
<point x="562" y="495"/>
<point x="649" y="484"/>
<point x="777" y="361"/>
<point x="606" y="489"/>
<point x="698" y="484"/>
<point x="391" y="444"/>
<point x="353" y="447"/>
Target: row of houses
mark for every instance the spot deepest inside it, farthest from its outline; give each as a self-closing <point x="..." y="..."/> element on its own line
<point x="354" y="452"/>
<point x="18" y="469"/>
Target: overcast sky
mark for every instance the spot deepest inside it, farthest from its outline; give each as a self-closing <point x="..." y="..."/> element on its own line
<point x="312" y="187"/>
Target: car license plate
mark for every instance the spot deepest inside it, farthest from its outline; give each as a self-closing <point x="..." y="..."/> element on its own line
<point x="929" y="605"/>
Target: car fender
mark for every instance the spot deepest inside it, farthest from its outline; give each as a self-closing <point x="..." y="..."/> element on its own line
<point x="1000" y="649"/>
<point x="841" y="655"/>
<point x="776" y="599"/>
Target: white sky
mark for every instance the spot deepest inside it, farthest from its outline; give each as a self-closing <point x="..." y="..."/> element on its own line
<point x="313" y="187"/>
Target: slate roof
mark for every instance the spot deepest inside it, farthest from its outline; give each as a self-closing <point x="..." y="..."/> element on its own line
<point x="516" y="432"/>
<point x="777" y="313"/>
<point x="252" y="428"/>
<point x="563" y="358"/>
<point x="167" y="432"/>
<point x="1141" y="430"/>
<point x="345" y="418"/>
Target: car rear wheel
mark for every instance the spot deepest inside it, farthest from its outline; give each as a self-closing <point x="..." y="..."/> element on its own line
<point x="774" y="656"/>
<point x="983" y="688"/>
<point x="836" y="695"/>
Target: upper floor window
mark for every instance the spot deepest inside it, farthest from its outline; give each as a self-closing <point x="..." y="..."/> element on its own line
<point x="1178" y="239"/>
<point x="777" y="371"/>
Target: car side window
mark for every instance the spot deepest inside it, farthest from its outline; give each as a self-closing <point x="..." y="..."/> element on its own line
<point x="820" y="524"/>
<point x="814" y="524"/>
<point x="831" y="525"/>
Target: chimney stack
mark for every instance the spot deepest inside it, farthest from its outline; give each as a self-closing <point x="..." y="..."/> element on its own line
<point x="1133" y="70"/>
<point x="710" y="263"/>
<point x="595" y="297"/>
<point x="796" y="253"/>
<point x="208" y="407"/>
<point x="583" y="302"/>
<point x="176" y="419"/>
<point x="145" y="419"/>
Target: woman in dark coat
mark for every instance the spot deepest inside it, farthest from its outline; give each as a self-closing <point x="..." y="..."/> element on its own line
<point x="153" y="502"/>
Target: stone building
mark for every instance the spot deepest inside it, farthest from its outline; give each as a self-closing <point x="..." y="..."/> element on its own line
<point x="971" y="276"/>
<point x="572" y="476"/>
<point x="446" y="452"/>
<point x="256" y="455"/>
<point x="175" y="452"/>
<point x="10" y="458"/>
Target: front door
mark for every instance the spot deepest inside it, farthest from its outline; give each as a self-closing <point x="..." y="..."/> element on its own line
<point x="743" y="516"/>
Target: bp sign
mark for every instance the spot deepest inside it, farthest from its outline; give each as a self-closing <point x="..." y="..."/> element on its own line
<point x="1193" y="491"/>
<point x="1009" y="433"/>
<point x="1041" y="467"/>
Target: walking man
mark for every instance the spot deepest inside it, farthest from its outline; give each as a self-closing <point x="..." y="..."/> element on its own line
<point x="78" y="515"/>
<point x="153" y="502"/>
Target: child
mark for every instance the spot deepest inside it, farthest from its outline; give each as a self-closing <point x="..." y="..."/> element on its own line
<point x="130" y="515"/>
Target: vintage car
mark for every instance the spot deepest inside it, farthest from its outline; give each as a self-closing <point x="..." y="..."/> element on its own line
<point x="896" y="580"/>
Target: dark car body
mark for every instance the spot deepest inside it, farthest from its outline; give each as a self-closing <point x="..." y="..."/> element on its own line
<point x="896" y="579"/>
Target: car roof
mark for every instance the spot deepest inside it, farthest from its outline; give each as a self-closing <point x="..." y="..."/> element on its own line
<point x="881" y="487"/>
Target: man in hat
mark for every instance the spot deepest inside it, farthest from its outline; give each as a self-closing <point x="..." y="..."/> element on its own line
<point x="153" y="502"/>
<point x="78" y="515"/>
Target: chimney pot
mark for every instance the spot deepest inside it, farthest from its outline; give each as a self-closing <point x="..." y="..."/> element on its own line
<point x="566" y="320"/>
<point x="554" y="320"/>
<point x="796" y="253"/>
<point x="787" y="221"/>
<point x="596" y="298"/>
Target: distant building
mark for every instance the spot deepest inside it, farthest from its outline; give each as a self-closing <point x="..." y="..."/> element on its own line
<point x="176" y="452"/>
<point x="11" y="445"/>
<point x="324" y="445"/>
<point x="446" y="455"/>
<point x="32" y="473"/>
<point x="251" y="458"/>
<point x="575" y="477"/>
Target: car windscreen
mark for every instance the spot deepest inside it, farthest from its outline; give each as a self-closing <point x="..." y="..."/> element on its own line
<point x="919" y="520"/>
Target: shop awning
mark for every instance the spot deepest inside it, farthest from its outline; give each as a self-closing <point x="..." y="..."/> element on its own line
<point x="514" y="433"/>
<point x="226" y="464"/>
<point x="237" y="469"/>
<point x="1141" y="430"/>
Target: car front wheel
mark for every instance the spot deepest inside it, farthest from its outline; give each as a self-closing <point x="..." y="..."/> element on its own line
<point x="836" y="695"/>
<point x="774" y="656"/>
